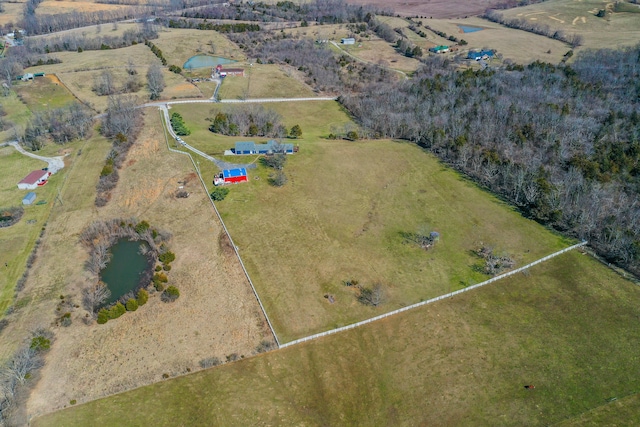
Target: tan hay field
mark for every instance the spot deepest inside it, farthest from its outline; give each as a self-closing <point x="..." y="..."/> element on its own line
<point x="216" y="314"/>
<point x="63" y="6"/>
<point x="12" y="12"/>
<point x="96" y="30"/>
<point x="618" y="30"/>
<point x="377" y="50"/>
<point x="178" y="45"/>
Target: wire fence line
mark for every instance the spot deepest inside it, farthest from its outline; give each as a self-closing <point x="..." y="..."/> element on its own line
<point x="164" y="113"/>
<point x="432" y="300"/>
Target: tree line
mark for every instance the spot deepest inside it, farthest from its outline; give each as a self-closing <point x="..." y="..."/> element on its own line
<point x="250" y="120"/>
<point x="61" y="125"/>
<point x="535" y="27"/>
<point x="562" y="143"/>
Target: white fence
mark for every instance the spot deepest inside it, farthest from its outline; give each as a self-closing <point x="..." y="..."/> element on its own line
<point x="165" y="125"/>
<point x="432" y="300"/>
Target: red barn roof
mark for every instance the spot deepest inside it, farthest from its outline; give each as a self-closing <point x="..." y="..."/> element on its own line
<point x="34" y="177"/>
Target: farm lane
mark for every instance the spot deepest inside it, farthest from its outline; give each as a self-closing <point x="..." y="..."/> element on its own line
<point x="55" y="163"/>
<point x="219" y="163"/>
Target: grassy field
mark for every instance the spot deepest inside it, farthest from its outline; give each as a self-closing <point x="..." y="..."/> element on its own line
<point x="178" y="45"/>
<point x="617" y="412"/>
<point x="516" y="45"/>
<point x="44" y="93"/>
<point x="17" y="241"/>
<point x="569" y="328"/>
<point x="78" y="72"/>
<point x="341" y="217"/>
<point x="17" y="113"/>
<point x="64" y="6"/>
<point x="12" y="12"/>
<point x="264" y="81"/>
<point x="579" y="17"/>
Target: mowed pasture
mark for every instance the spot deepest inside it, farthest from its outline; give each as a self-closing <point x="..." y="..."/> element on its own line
<point x="569" y="328"/>
<point x="44" y="94"/>
<point x="264" y="81"/>
<point x="17" y="241"/>
<point x="342" y="214"/>
<point x="178" y="45"/>
<point x="579" y="17"/>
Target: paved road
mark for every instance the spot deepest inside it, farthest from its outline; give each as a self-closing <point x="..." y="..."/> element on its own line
<point x="55" y="163"/>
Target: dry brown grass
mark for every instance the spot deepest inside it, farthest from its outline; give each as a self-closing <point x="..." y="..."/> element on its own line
<point x="617" y="30"/>
<point x="64" y="6"/>
<point x="12" y="13"/>
<point x="216" y="314"/>
<point x="433" y="8"/>
<point x="178" y="45"/>
<point x="516" y="45"/>
<point x="265" y="81"/>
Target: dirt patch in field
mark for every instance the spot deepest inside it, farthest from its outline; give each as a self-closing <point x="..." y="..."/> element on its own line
<point x="216" y="315"/>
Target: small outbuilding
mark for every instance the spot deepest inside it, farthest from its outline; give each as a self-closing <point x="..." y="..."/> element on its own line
<point x="29" y="198"/>
<point x="439" y="49"/>
<point x="224" y="72"/>
<point x="348" y="40"/>
<point x="34" y="180"/>
<point x="232" y="176"/>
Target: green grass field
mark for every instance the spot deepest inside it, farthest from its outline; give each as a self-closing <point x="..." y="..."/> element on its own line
<point x="341" y="216"/>
<point x="569" y="328"/>
<point x="264" y="81"/>
<point x="17" y="241"/>
<point x="44" y="93"/>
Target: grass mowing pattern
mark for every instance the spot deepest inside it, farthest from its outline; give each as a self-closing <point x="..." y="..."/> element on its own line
<point x="569" y="328"/>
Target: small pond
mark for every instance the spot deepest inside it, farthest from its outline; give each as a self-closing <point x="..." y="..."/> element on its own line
<point x="126" y="269"/>
<point x="468" y="29"/>
<point x="201" y="61"/>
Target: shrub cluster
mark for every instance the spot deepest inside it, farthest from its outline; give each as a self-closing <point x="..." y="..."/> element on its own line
<point x="177" y="123"/>
<point x="61" y="125"/>
<point x="10" y="216"/>
<point x="239" y="27"/>
<point x="219" y="194"/>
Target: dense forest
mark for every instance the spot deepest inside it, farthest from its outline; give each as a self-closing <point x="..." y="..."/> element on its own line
<point x="562" y="143"/>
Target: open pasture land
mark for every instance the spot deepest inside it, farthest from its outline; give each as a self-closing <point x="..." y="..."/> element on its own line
<point x="378" y="51"/>
<point x="17" y="113"/>
<point x="178" y="45"/>
<point x="265" y="81"/>
<point x="55" y="7"/>
<point x="341" y="216"/>
<point x="433" y="8"/>
<point x="44" y="93"/>
<point x="12" y="12"/>
<point x="78" y="72"/>
<point x="579" y="17"/>
<point x="216" y="315"/>
<point x="517" y="45"/>
<point x="569" y="328"/>
<point x="616" y="412"/>
<point x="17" y="241"/>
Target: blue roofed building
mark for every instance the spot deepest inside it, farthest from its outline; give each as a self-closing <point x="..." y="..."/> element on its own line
<point x="478" y="55"/>
<point x="270" y="147"/>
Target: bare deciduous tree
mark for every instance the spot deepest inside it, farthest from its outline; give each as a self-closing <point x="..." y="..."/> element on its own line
<point x="155" y="81"/>
<point x="94" y="295"/>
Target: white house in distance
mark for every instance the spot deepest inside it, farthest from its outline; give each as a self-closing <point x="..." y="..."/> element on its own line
<point x="34" y="180"/>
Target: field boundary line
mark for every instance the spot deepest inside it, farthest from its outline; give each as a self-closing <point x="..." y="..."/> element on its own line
<point x="430" y="301"/>
<point x="164" y="113"/>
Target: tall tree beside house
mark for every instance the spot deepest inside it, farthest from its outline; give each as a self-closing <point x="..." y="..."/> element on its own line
<point x="155" y="81"/>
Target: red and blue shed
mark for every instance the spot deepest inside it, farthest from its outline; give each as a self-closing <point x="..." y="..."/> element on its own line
<point x="235" y="175"/>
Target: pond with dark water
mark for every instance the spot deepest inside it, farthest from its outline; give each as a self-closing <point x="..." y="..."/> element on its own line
<point x="201" y="61"/>
<point x="126" y="269"/>
<point x="468" y="29"/>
